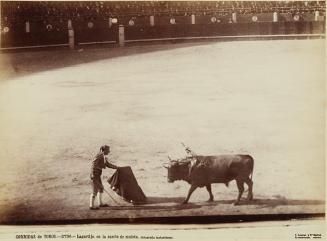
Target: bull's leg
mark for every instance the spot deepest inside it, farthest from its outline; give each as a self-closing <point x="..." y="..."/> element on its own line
<point x="240" y="186"/>
<point x="190" y="191"/>
<point x="210" y="193"/>
<point x="249" y="182"/>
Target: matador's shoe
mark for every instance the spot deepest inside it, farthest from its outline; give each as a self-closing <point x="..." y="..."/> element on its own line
<point x="94" y="208"/>
<point x="103" y="205"/>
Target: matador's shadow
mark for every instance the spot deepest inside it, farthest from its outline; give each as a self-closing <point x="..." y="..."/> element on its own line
<point x="159" y="203"/>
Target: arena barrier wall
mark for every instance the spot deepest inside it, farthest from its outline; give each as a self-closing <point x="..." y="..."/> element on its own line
<point x="223" y="29"/>
<point x="143" y="28"/>
<point x="35" y="33"/>
<point x="95" y="31"/>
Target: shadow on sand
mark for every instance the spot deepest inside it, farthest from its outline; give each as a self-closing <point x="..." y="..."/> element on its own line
<point x="21" y="214"/>
<point x="270" y="203"/>
<point x="158" y="203"/>
<point x="175" y="203"/>
<point x="29" y="61"/>
<point x="158" y="200"/>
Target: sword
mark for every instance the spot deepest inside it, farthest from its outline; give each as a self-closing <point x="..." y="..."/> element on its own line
<point x="106" y="192"/>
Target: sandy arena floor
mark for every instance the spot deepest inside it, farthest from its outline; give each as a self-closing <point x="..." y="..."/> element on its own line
<point x="264" y="98"/>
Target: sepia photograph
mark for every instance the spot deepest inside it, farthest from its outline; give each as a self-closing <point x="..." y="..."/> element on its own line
<point x="171" y="120"/>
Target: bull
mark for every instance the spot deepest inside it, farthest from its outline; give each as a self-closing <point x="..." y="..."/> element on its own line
<point x="213" y="169"/>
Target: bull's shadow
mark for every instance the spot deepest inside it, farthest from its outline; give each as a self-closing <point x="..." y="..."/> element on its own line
<point x="160" y="200"/>
<point x="270" y="203"/>
<point x="175" y="203"/>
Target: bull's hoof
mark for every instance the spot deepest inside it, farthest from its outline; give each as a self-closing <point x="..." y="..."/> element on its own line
<point x="236" y="203"/>
<point x="210" y="200"/>
<point x="250" y="198"/>
<point x="184" y="202"/>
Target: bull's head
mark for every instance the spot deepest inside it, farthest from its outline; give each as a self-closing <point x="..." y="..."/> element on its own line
<point x="178" y="170"/>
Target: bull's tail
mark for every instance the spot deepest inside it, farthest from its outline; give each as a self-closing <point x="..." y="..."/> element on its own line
<point x="251" y="167"/>
<point x="251" y="175"/>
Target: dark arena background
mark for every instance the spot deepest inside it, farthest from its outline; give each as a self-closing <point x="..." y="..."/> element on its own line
<point x="222" y="77"/>
<point x="63" y="23"/>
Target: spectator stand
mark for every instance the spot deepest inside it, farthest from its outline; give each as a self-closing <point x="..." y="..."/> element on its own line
<point x="26" y="24"/>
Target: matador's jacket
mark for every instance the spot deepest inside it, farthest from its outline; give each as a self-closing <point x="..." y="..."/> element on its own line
<point x="100" y="162"/>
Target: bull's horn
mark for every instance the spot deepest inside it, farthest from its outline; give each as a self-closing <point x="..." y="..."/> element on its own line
<point x="165" y="166"/>
<point x="169" y="158"/>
